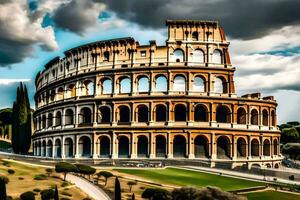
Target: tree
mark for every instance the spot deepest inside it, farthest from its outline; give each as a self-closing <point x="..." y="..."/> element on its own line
<point x="85" y="169"/>
<point x="289" y="135"/>
<point x="156" y="194"/>
<point x="133" y="197"/>
<point x="130" y="184"/>
<point x="47" y="194"/>
<point x="65" y="167"/>
<point x="117" y="189"/>
<point x="27" y="196"/>
<point x="105" y="174"/>
<point x="49" y="171"/>
<point x="294" y="123"/>
<point x="187" y="193"/>
<point x="21" y="122"/>
<point x="3" y="195"/>
<point x="56" y="197"/>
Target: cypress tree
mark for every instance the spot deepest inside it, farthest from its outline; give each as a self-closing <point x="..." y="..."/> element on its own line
<point x="56" y="197"/>
<point x="3" y="195"/>
<point x="21" y="122"/>
<point x="117" y="189"/>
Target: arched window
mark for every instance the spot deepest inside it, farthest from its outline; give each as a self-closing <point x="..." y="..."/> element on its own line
<point x="68" y="144"/>
<point x="52" y="95"/>
<point x="198" y="56"/>
<point x="195" y="35"/>
<point x="88" y="88"/>
<point x="241" y="147"/>
<point x="241" y="116"/>
<point x="44" y="119"/>
<point x="69" y="117"/>
<point x="143" y="84"/>
<point x="84" y="146"/>
<point x="104" y="115"/>
<point x="107" y="86"/>
<point x="223" y="114"/>
<point x="217" y="57"/>
<point x="124" y="114"/>
<point x="179" y="83"/>
<point x="160" y="146"/>
<point x="161" y="84"/>
<point x="198" y="84"/>
<point x="178" y="55"/>
<point x="58" y="118"/>
<point x="179" y="146"/>
<point x="50" y="120"/>
<point x="161" y="113"/>
<point x="201" y="147"/>
<point x="180" y="112"/>
<point x="123" y="147"/>
<point x="143" y="114"/>
<point x="125" y="85"/>
<point x="142" y="146"/>
<point x="85" y="116"/>
<point x="265" y="117"/>
<point x="71" y="91"/>
<point x="254" y="117"/>
<point x="254" y="147"/>
<point x="223" y="148"/>
<point x="275" y="143"/>
<point x="200" y="113"/>
<point x="273" y="118"/>
<point x="267" y="148"/>
<point x="220" y="85"/>
<point x="106" y="56"/>
<point x="60" y="93"/>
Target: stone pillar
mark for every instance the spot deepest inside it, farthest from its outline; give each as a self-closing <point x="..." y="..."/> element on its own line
<point x="190" y="146"/>
<point x="234" y="148"/>
<point x="170" y="145"/>
<point x="114" y="146"/>
<point x="95" y="153"/>
<point x="133" y="146"/>
<point x="213" y="147"/>
<point x="77" y="147"/>
<point x="63" y="156"/>
<point x="152" y="145"/>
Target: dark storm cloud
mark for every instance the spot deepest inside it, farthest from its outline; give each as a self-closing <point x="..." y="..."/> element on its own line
<point x="241" y="18"/>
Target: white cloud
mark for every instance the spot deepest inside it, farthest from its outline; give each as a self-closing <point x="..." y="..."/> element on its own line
<point x="11" y="81"/>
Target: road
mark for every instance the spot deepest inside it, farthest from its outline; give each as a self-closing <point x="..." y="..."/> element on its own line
<point x="89" y="188"/>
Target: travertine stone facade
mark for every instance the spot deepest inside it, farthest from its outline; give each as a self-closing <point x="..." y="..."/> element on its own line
<point x="119" y="99"/>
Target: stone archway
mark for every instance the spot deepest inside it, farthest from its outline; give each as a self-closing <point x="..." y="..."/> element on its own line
<point x="254" y="147"/>
<point x="84" y="146"/>
<point x="57" y="146"/>
<point x="104" y="147"/>
<point x="201" y="147"/>
<point x="160" y="146"/>
<point x="123" y="147"/>
<point x="223" y="148"/>
<point x="142" y="146"/>
<point x="49" y="148"/>
<point x="179" y="146"/>
<point x="69" y="153"/>
<point x="241" y="147"/>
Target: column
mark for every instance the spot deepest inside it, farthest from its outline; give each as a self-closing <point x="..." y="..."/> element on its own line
<point x="76" y="147"/>
<point x="114" y="146"/>
<point x="170" y="145"/>
<point x="213" y="146"/>
<point x="63" y="156"/>
<point x="133" y="153"/>
<point x="234" y="148"/>
<point x="190" y="146"/>
<point x="95" y="153"/>
<point x="152" y="145"/>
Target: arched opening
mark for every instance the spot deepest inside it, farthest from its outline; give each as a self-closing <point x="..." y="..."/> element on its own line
<point x="198" y="56"/>
<point x="241" y="116"/>
<point x="58" y="118"/>
<point x="220" y="85"/>
<point x="69" y="117"/>
<point x="124" y="114"/>
<point x="52" y="95"/>
<point x="125" y="85"/>
<point x="106" y="56"/>
<point x="195" y="35"/>
<point x="84" y="146"/>
<point x="60" y="93"/>
<point x="71" y="91"/>
<point x="161" y="83"/>
<point x="254" y="147"/>
<point x="44" y="121"/>
<point x="44" y="148"/>
<point x="223" y="148"/>
<point x="267" y="147"/>
<point x="106" y="86"/>
<point x="179" y="83"/>
<point x="69" y="148"/>
<point x="39" y="148"/>
<point x="143" y="114"/>
<point x="179" y="146"/>
<point x="49" y="148"/>
<point x="217" y="57"/>
<point x="273" y="118"/>
<point x="161" y="113"/>
<point x="50" y="120"/>
<point x="160" y="146"/>
<point x="200" y="113"/>
<point x="223" y="114"/>
<point x="85" y="116"/>
<point x="180" y="113"/>
<point x="254" y="117"/>
<point x="88" y="88"/>
<point x="57" y="149"/>
<point x="265" y="118"/>
<point x="143" y="84"/>
<point x="104" y="147"/>
<point x="142" y="146"/>
<point x="268" y="165"/>
<point x="123" y="147"/>
<point x="201" y="147"/>
<point x="178" y="55"/>
<point x="104" y="114"/>
<point x="275" y="143"/>
<point x="276" y="165"/>
<point x="241" y="147"/>
<point x="199" y="84"/>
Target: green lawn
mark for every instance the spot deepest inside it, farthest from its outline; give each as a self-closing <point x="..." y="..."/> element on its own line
<point x="272" y="195"/>
<point x="183" y="177"/>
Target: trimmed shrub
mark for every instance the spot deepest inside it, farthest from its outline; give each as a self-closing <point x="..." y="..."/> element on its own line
<point x="11" y="171"/>
<point x="64" y="184"/>
<point x="40" y="177"/>
<point x="47" y="194"/>
<point x="36" y="190"/>
<point x="21" y="178"/>
<point x="27" y="196"/>
<point x="49" y="171"/>
<point x="156" y="193"/>
<point x="66" y="193"/>
<point x="85" y="169"/>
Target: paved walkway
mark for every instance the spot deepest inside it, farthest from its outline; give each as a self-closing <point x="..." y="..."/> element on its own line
<point x="89" y="188"/>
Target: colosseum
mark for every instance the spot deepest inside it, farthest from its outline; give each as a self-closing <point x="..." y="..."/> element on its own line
<point x="117" y="99"/>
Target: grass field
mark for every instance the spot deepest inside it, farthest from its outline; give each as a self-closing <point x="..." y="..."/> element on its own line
<point x="272" y="195"/>
<point x="23" y="180"/>
<point x="183" y="177"/>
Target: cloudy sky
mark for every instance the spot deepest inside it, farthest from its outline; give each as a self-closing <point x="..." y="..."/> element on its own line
<point x="264" y="37"/>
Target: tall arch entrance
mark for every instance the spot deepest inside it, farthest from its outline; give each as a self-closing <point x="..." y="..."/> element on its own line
<point x="179" y="146"/>
<point x="160" y="146"/>
<point x="241" y="147"/>
<point x="142" y="146"/>
<point x="123" y="147"/>
<point x="201" y="147"/>
<point x="69" y="153"/>
<point x="223" y="148"/>
<point x="84" y="146"/>
<point x="104" y="147"/>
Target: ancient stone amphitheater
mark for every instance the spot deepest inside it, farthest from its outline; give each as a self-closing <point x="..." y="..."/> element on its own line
<point x="117" y="99"/>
